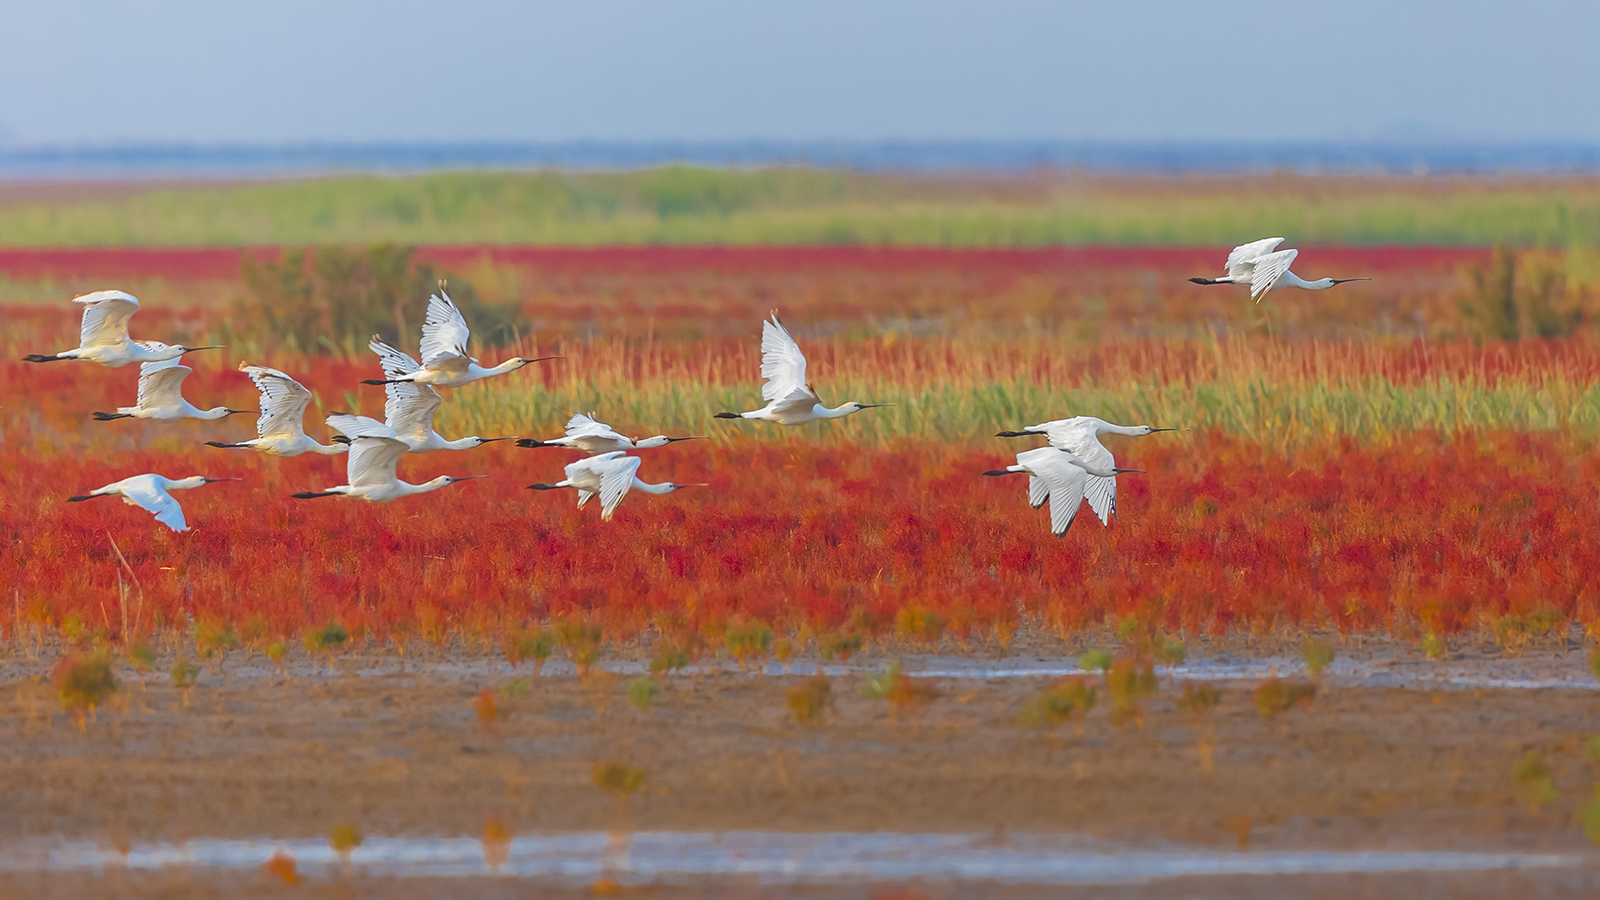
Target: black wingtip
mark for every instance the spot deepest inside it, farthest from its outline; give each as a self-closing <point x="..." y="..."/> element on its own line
<point x="532" y="442"/>
<point x="312" y="495"/>
<point x="1128" y="471"/>
<point x="222" y="444"/>
<point x="374" y="381"/>
<point x="80" y="498"/>
<point x="39" y="357"/>
<point x="1203" y="281"/>
<point x="1012" y="434"/>
<point x="728" y="415"/>
<point x="340" y="439"/>
<point x="106" y="417"/>
<point x="997" y="472"/>
<point x="541" y="486"/>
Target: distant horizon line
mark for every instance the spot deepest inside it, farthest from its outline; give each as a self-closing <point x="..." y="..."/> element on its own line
<point x="1350" y="156"/>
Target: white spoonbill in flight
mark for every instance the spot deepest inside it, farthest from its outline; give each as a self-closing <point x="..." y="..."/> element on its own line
<point x="1257" y="266"/>
<point x="374" y="451"/>
<point x="609" y="476"/>
<point x="594" y="437"/>
<point x="445" y="362"/>
<point x="1057" y="476"/>
<point x="161" y="396"/>
<point x="152" y="492"/>
<point x="790" y="399"/>
<point x="283" y="406"/>
<point x="103" y="337"/>
<point x="410" y="406"/>
<point x="1081" y="437"/>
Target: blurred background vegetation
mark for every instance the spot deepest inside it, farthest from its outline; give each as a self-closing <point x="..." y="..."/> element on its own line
<point x="690" y="205"/>
<point x="332" y="296"/>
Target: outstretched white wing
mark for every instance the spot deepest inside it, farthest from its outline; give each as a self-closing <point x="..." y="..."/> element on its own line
<point x="374" y="449"/>
<point x="1078" y="437"/>
<point x="1064" y="479"/>
<point x="161" y="383"/>
<point x="615" y="479"/>
<point x="782" y="363"/>
<point x="444" y="332"/>
<point x="1243" y="255"/>
<point x="105" y="317"/>
<point x="586" y="475"/>
<point x="408" y="407"/>
<point x="395" y="362"/>
<point x="582" y="423"/>
<point x="1268" y="269"/>
<point x="283" y="402"/>
<point x="148" y="494"/>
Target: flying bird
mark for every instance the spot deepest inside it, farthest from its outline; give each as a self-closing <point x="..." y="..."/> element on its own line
<point x="790" y="399"/>
<point x="410" y="405"/>
<point x="1081" y="436"/>
<point x="283" y="406"/>
<point x="161" y="395"/>
<point x="103" y="336"/>
<point x="1262" y="269"/>
<point x="374" y="451"/>
<point x="445" y="362"/>
<point x="594" y="437"/>
<point x="1057" y="476"/>
<point x="153" y="493"/>
<point x="608" y="476"/>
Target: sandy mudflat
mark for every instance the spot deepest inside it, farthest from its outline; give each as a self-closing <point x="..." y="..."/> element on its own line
<point x="256" y="755"/>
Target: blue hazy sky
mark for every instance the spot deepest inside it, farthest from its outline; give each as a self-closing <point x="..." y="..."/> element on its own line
<point x="74" y="72"/>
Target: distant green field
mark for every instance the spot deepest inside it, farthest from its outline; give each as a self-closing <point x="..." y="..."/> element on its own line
<point x="682" y="205"/>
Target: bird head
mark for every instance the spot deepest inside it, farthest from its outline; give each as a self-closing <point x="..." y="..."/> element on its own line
<point x="678" y="487"/>
<point x="856" y="406"/>
<point x="484" y="440"/>
<point x="194" y="481"/>
<point x="662" y="440"/>
<point x="523" y="360"/>
<point x="1146" y="429"/>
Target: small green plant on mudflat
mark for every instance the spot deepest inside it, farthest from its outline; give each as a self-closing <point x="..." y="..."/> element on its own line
<point x="1068" y="700"/>
<point x="1276" y="695"/>
<point x="532" y="643"/>
<point x="810" y="700"/>
<point x="642" y="692"/>
<point x="328" y="639"/>
<point x="1534" y="781"/>
<point x="83" y="683"/>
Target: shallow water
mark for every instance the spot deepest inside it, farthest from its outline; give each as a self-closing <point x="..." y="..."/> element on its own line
<point x="1531" y="673"/>
<point x="767" y="857"/>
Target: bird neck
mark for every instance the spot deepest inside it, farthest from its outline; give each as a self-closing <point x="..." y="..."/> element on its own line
<point x="183" y="484"/>
<point x="838" y="412"/>
<point x="426" y="486"/>
<point x="466" y="443"/>
<point x="216" y="412"/>
<point x="328" y="449"/>
<point x="1290" y="279"/>
<point x="665" y="487"/>
<point x="510" y="365"/>
<point x="1130" y="430"/>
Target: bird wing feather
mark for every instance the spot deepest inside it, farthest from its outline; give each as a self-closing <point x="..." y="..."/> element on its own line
<point x="105" y="317"/>
<point x="585" y="475"/>
<point x="1268" y="269"/>
<point x="1078" y="437"/>
<point x="161" y="383"/>
<point x="615" y="480"/>
<point x="782" y="364"/>
<point x="373" y="458"/>
<point x="797" y="401"/>
<point x="283" y="402"/>
<point x="1242" y="256"/>
<point x="1038" y="491"/>
<point x="1065" y="481"/>
<point x="444" y="331"/>
<point x="150" y="495"/>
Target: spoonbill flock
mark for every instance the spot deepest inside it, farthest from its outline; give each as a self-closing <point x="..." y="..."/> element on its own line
<point x="1075" y="467"/>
